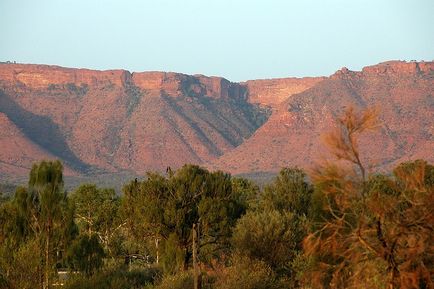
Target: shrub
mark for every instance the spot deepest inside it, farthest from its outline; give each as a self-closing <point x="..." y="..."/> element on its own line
<point x="269" y="236"/>
<point x="116" y="278"/>
<point x="246" y="273"/>
<point x="86" y="254"/>
<point x="182" y="280"/>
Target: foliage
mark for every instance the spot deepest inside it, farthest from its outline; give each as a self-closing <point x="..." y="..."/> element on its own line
<point x="346" y="229"/>
<point x="165" y="208"/>
<point x="97" y="212"/>
<point x="376" y="230"/>
<point x="6" y="190"/>
<point x="269" y="236"/>
<point x="45" y="205"/>
<point x="289" y="192"/>
<point x="37" y="226"/>
<point x="14" y="220"/>
<point x="73" y="88"/>
<point x="134" y="95"/>
<point x="343" y="141"/>
<point x="383" y="235"/>
<point x="20" y="266"/>
<point x="245" y="190"/>
<point x="181" y="280"/>
<point x="273" y="230"/>
<point x="86" y="254"/>
<point x="114" y="278"/>
<point x="245" y="273"/>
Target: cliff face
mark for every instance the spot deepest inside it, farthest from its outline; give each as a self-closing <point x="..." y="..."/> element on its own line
<point x="110" y="121"/>
<point x="402" y="92"/>
<point x="117" y="120"/>
<point x="274" y="91"/>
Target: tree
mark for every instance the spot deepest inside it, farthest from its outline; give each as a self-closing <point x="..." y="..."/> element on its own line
<point x="38" y="226"/>
<point x="3" y="197"/>
<point x="273" y="229"/>
<point x="343" y="141"/>
<point x="97" y="213"/>
<point x="246" y="191"/>
<point x="373" y="230"/>
<point x="46" y="199"/>
<point x="143" y="211"/>
<point x="86" y="254"/>
<point x="269" y="236"/>
<point x="165" y="209"/>
<point x="19" y="265"/>
<point x="289" y="192"/>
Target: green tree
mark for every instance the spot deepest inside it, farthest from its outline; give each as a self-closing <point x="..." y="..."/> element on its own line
<point x="165" y="209"/>
<point x="19" y="258"/>
<point x="46" y="200"/>
<point x="289" y="192"/>
<point x="274" y="228"/>
<point x="86" y="254"/>
<point x="3" y="197"/>
<point x="246" y="191"/>
<point x="20" y="265"/>
<point x="97" y="212"/>
<point x="37" y="227"/>
<point x="270" y="236"/>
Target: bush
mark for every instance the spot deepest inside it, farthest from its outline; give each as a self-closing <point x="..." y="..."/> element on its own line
<point x="21" y="264"/>
<point x="86" y="254"/>
<point x="269" y="236"/>
<point x="118" y="278"/>
<point x="246" y="273"/>
<point x="182" y="280"/>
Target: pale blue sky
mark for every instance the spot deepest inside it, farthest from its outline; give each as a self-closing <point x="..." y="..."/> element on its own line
<point x="236" y="39"/>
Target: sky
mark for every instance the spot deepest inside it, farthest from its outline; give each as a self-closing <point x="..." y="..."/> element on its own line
<point x="236" y="39"/>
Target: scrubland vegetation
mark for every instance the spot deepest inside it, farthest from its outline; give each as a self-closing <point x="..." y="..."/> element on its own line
<point x="337" y="226"/>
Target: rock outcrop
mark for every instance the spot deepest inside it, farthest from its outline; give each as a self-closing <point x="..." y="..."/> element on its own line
<point x="274" y="91"/>
<point x="403" y="93"/>
<point x="107" y="121"/>
<point x="111" y="121"/>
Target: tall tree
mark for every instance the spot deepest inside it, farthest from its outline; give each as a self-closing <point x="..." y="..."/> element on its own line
<point x="165" y="208"/>
<point x="37" y="226"/>
<point x="97" y="213"/>
<point x="46" y="201"/>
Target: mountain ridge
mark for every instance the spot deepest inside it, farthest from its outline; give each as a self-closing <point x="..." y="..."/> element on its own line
<point x="116" y="120"/>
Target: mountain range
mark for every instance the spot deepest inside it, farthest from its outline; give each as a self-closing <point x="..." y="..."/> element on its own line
<point x="116" y="121"/>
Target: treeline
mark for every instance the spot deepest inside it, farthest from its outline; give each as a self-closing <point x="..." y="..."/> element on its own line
<point x="337" y="227"/>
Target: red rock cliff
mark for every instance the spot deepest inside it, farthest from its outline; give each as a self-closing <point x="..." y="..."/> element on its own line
<point x="116" y="120"/>
<point x="275" y="91"/>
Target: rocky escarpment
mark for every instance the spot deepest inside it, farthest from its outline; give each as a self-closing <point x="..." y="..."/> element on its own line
<point x="117" y="120"/>
<point x="403" y="92"/>
<point x="111" y="121"/>
<point x="272" y="92"/>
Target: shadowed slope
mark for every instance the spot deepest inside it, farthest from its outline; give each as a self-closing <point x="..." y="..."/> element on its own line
<point x="110" y="121"/>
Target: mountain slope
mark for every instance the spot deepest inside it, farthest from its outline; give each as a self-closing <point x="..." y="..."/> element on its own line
<point x="17" y="152"/>
<point x="403" y="93"/>
<point x="117" y="121"/>
<point x="108" y="121"/>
